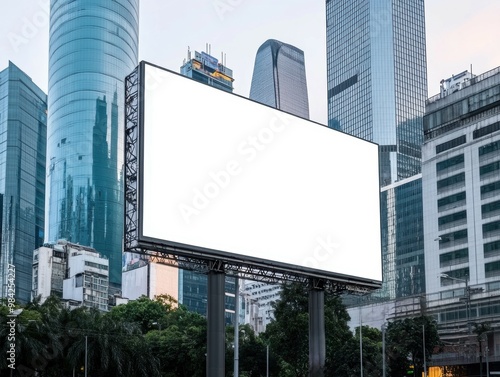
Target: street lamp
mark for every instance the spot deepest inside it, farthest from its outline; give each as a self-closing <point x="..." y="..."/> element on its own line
<point x="423" y="349"/>
<point x="467" y="296"/>
<point x="384" y="327"/>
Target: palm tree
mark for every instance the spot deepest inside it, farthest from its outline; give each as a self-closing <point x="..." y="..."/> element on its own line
<point x="111" y="347"/>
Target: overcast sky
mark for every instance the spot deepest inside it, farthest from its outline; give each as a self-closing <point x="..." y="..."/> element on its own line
<point x="460" y="33"/>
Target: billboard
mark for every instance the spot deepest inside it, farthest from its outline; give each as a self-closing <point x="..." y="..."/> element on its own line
<point x="223" y="177"/>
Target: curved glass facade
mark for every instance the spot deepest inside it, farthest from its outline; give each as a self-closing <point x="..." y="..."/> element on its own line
<point x="279" y="78"/>
<point x="93" y="46"/>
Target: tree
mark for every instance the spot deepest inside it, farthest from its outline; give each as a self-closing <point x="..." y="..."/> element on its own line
<point x="145" y="312"/>
<point x="405" y="344"/>
<point x="50" y="341"/>
<point x="180" y="346"/>
<point x="288" y="334"/>
<point x="252" y="353"/>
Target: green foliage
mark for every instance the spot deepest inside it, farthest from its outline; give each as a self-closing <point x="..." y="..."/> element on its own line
<point x="404" y="344"/>
<point x="252" y="353"/>
<point x="180" y="345"/>
<point x="149" y="314"/>
<point x="291" y="328"/>
<point x="154" y="338"/>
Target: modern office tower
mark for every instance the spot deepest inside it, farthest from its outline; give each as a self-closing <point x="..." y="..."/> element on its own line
<point x="403" y="263"/>
<point x="23" y="132"/>
<point x="279" y="78"/>
<point x="206" y="69"/>
<point x="77" y="274"/>
<point x="461" y="193"/>
<point x="377" y="78"/>
<point x="93" y="46"/>
<point x="377" y="87"/>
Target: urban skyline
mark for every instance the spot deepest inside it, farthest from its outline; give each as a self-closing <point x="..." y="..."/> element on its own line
<point x="459" y="34"/>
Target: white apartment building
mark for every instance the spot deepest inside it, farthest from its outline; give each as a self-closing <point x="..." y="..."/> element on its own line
<point x="79" y="275"/>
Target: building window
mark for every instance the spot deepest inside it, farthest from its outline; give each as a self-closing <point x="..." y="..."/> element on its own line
<point x="96" y="265"/>
<point x="489" y="190"/>
<point x="79" y="280"/>
<point x="454" y="219"/>
<point x="486" y="130"/>
<point x="450" y="144"/>
<point x="491" y="249"/>
<point x="488" y="169"/>
<point x="454" y="257"/>
<point x="489" y="148"/>
<point x="454" y="180"/>
<point x="461" y="273"/>
<point x="453" y="163"/>
<point x="490" y="209"/>
<point x="453" y="238"/>
<point x="491" y="229"/>
<point x="451" y="201"/>
<point x="492" y="269"/>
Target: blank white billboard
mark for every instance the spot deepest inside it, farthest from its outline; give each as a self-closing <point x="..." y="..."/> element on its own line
<point x="238" y="180"/>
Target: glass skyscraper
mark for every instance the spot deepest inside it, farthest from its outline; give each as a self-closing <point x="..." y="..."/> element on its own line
<point x="377" y="78"/>
<point x="377" y="87"/>
<point x="23" y="133"/>
<point x="93" y="46"/>
<point x="279" y="78"/>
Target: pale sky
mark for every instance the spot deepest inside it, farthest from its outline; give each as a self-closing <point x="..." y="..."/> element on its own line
<point x="460" y="33"/>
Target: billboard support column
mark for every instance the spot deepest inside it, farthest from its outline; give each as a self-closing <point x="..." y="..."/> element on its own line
<point x="215" y="320"/>
<point x="317" y="344"/>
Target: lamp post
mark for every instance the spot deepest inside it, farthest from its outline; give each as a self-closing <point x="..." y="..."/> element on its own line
<point x="360" y="343"/>
<point x="423" y="350"/>
<point x="383" y="350"/>
<point x="467" y="297"/>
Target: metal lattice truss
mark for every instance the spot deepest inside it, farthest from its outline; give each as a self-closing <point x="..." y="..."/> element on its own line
<point x="189" y="259"/>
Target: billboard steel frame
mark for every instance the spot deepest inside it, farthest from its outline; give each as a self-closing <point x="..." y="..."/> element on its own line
<point x="191" y="259"/>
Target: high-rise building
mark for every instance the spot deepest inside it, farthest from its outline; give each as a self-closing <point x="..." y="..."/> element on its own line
<point x="193" y="285"/>
<point x="461" y="196"/>
<point x="93" y="47"/>
<point x="207" y="69"/>
<point x="23" y="132"/>
<point x="377" y="87"/>
<point x="377" y="78"/>
<point x="279" y="78"/>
